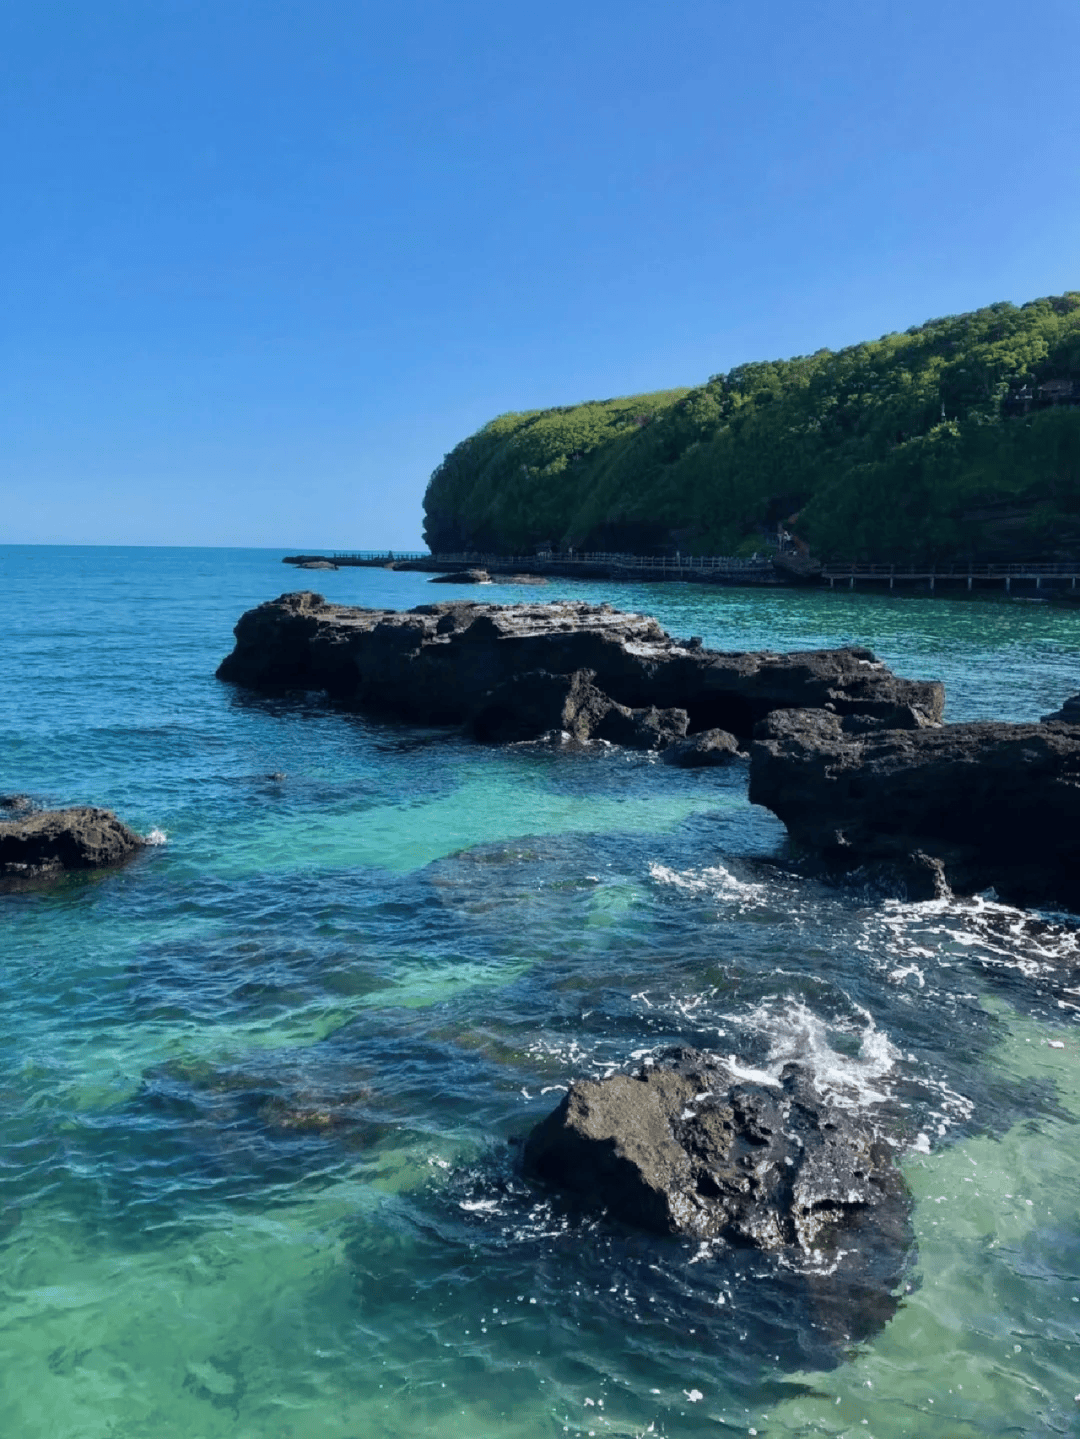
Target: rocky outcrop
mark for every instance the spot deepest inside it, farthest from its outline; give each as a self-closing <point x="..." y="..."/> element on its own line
<point x="683" y="1147"/>
<point x="461" y="577"/>
<point x="43" y="845"/>
<point x="518" y="671"/>
<point x="970" y="805"/>
<point x="710" y="748"/>
<point x="1069" y="713"/>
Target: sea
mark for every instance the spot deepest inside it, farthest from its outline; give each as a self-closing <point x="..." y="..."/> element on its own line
<point x="263" y="1090"/>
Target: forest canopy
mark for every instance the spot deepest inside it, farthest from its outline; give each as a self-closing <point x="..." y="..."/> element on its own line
<point x="956" y="439"/>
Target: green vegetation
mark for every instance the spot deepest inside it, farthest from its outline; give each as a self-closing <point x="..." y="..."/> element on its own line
<point x="957" y="439"/>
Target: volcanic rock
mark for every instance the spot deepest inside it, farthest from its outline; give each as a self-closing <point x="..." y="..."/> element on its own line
<point x="973" y="805"/>
<point x="1069" y="713"/>
<point x="461" y="577"/>
<point x="483" y="665"/>
<point x="710" y="748"/>
<point x="41" y="845"/>
<point x="684" y="1147"/>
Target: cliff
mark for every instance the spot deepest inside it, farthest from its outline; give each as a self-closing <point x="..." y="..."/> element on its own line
<point x="958" y="439"/>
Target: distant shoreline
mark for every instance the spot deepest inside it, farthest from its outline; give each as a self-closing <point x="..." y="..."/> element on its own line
<point x="1055" y="581"/>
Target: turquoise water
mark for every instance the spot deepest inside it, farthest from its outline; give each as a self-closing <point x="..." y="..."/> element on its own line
<point x="260" y="1090"/>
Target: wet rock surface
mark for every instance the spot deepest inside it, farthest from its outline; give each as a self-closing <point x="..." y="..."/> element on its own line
<point x="518" y="671"/>
<point x="685" y="1147"/>
<point x="970" y="806"/>
<point x="42" y="845"/>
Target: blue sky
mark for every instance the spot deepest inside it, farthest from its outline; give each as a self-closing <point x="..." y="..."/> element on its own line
<point x="264" y="262"/>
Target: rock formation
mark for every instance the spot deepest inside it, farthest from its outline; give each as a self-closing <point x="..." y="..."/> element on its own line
<point x="514" y="672"/>
<point x="683" y="1147"/>
<point x="43" y="845"/>
<point x="461" y="577"/>
<point x="973" y="805"/>
<point x="706" y="750"/>
<point x="1069" y="713"/>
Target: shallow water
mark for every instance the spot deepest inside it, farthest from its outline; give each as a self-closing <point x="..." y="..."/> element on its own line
<point x="260" y="1090"/>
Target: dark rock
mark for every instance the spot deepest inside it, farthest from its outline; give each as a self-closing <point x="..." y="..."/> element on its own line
<point x="456" y="663"/>
<point x="709" y="748"/>
<point x="1069" y="713"/>
<point x="902" y="717"/>
<point x="16" y="803"/>
<point x="462" y="577"/>
<point x="316" y="565"/>
<point x="537" y="702"/>
<point x="46" y="844"/>
<point x="683" y="1147"/>
<point x="647" y="728"/>
<point x="973" y="805"/>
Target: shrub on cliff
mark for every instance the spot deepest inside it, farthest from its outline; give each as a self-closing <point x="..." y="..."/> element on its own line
<point x="960" y="437"/>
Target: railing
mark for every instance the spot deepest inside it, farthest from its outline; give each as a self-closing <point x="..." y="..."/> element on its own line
<point x="616" y="559"/>
<point x="1065" y="569"/>
<point x="758" y="566"/>
<point x="380" y="555"/>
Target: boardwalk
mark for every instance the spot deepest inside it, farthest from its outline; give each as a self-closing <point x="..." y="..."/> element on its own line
<point x="1042" y="580"/>
<point x="1049" y="577"/>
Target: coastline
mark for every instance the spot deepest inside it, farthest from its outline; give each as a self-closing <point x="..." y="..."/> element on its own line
<point x="1057" y="581"/>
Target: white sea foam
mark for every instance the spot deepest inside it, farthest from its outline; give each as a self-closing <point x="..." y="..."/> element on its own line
<point x="797" y="1035"/>
<point x="716" y="881"/>
<point x="946" y="932"/>
<point x="155" y="836"/>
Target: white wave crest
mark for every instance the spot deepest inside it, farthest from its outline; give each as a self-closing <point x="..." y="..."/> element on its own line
<point x="797" y="1035"/>
<point x="155" y="836"/>
<point x="714" y="880"/>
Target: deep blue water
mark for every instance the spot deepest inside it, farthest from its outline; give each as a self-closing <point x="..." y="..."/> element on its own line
<point x="260" y="1090"/>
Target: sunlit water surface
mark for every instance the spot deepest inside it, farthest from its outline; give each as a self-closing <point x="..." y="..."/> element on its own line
<point x="260" y="1091"/>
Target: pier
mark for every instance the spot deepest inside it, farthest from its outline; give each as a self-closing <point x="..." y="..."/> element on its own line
<point x="1050" y="578"/>
<point x="1038" y="580"/>
<point x="575" y="564"/>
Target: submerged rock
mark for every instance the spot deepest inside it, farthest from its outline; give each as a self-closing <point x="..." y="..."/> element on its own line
<point x="44" y="844"/>
<point x="518" y="671"/>
<point x="967" y="805"/>
<point x="684" y="1147"/>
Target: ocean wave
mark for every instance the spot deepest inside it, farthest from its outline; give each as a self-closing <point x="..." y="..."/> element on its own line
<point x="716" y="881"/>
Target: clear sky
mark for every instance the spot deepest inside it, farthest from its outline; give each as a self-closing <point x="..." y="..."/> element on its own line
<point x="265" y="261"/>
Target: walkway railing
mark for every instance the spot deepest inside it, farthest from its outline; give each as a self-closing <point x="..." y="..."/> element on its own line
<point x="1052" y="574"/>
<point x="388" y="555"/>
<point x="616" y="559"/>
<point x="756" y="569"/>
